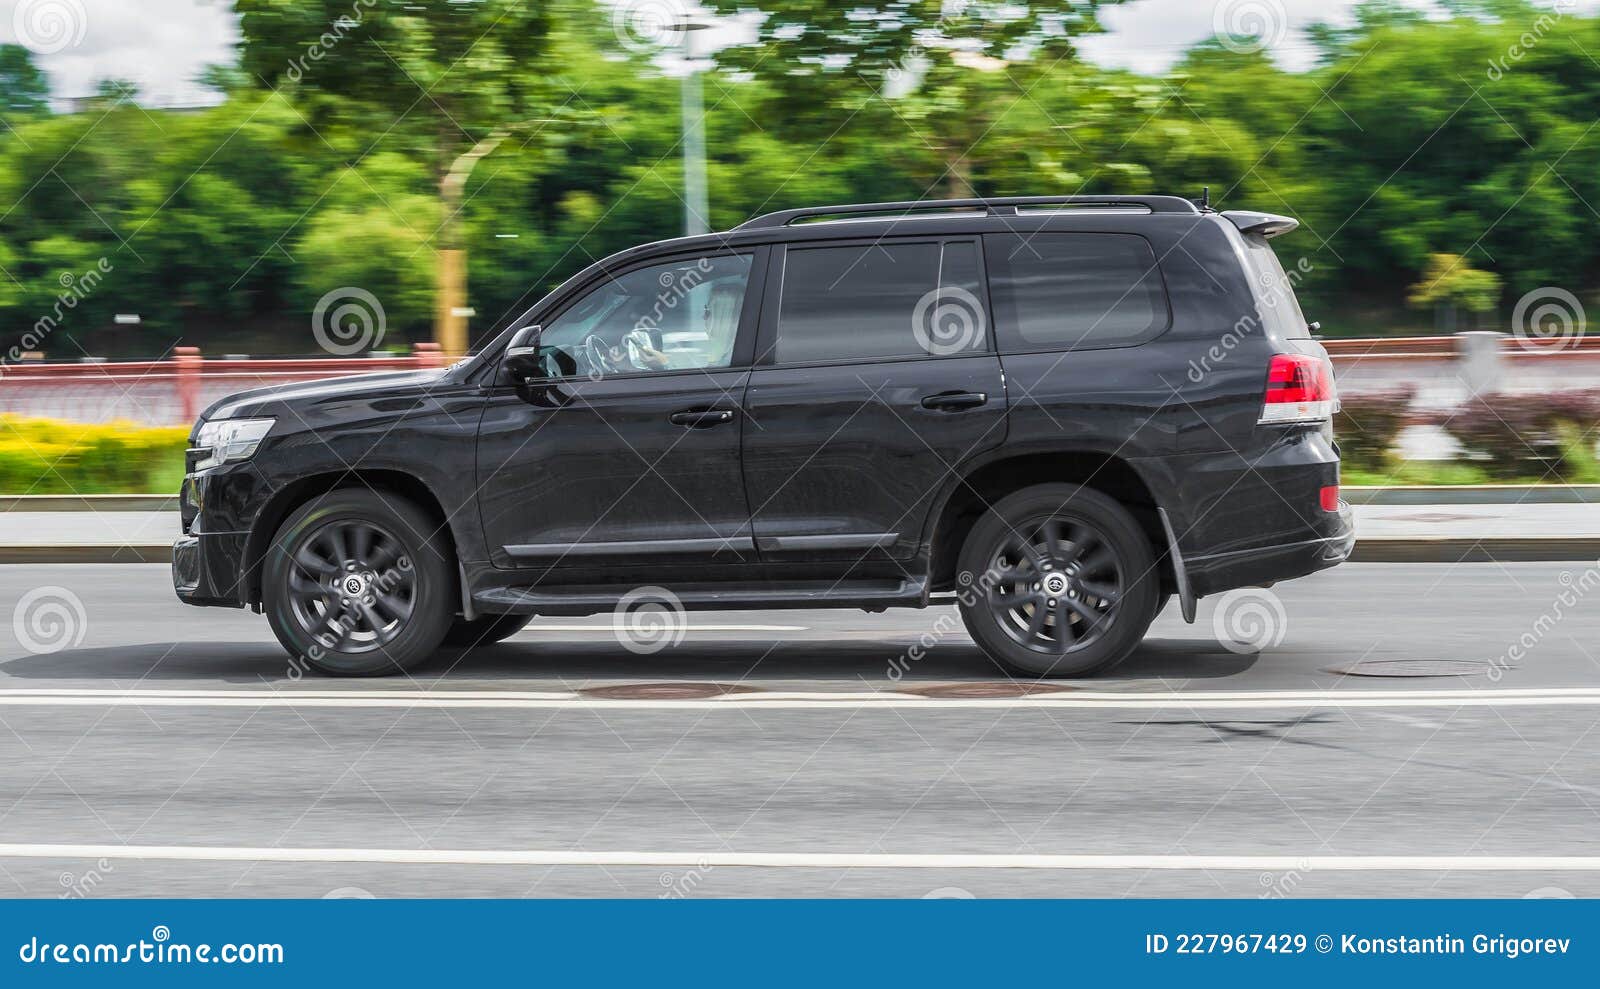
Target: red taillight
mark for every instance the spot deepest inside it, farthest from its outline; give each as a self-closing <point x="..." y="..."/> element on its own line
<point x="1330" y="498"/>
<point x="1299" y="389"/>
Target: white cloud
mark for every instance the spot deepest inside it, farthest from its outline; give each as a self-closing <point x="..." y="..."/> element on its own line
<point x="159" y="44"/>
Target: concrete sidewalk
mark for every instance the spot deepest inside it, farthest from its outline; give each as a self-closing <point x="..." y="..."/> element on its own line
<point x="1385" y="533"/>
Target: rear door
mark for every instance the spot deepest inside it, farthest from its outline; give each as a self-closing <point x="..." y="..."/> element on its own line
<point x="876" y="382"/>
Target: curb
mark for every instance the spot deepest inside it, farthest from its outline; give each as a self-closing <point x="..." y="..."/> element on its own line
<point x="89" y="503"/>
<point x="86" y="553"/>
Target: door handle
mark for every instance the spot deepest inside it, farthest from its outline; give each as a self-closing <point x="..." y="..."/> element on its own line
<point x="701" y="418"/>
<point x="955" y="400"/>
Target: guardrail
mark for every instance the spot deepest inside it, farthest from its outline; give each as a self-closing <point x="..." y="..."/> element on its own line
<point x="173" y="391"/>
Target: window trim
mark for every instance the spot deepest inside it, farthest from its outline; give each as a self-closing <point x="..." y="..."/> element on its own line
<point x="1063" y="348"/>
<point x="777" y="264"/>
<point x="744" y="336"/>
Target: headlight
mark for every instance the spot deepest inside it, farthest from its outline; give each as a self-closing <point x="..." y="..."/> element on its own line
<point x="222" y="441"/>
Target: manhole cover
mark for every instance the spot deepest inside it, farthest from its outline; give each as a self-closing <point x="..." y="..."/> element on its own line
<point x="999" y="688"/>
<point x="1410" y="668"/>
<point x="666" y="691"/>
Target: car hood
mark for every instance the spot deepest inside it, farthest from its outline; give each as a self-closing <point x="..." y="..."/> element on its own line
<point x="272" y="398"/>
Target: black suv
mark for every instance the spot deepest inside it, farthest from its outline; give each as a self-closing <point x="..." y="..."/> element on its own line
<point x="1055" y="412"/>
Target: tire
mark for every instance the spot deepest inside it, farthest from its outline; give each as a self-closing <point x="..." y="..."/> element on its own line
<point x="359" y="583"/>
<point x="1096" y="579"/>
<point x="484" y="630"/>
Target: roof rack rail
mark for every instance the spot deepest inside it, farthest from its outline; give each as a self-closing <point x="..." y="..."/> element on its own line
<point x="1000" y="206"/>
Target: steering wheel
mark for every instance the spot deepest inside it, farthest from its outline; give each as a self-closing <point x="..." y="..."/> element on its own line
<point x="598" y="356"/>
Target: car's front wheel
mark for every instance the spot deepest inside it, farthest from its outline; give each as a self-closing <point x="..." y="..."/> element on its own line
<point x="1057" y="580"/>
<point x="358" y="583"/>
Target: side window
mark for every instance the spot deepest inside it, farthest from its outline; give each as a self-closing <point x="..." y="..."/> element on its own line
<point x="665" y="317"/>
<point x="878" y="301"/>
<point x="1070" y="291"/>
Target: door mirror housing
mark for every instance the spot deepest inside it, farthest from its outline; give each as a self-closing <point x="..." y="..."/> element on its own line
<point x="523" y="356"/>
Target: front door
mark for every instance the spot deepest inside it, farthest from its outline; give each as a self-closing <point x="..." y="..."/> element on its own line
<point x="628" y="454"/>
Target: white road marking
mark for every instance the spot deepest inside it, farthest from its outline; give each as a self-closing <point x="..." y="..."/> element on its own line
<point x="551" y="629"/>
<point x="802" y="700"/>
<point x="813" y="860"/>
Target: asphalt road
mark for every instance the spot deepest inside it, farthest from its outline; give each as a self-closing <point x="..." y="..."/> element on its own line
<point x="1195" y="769"/>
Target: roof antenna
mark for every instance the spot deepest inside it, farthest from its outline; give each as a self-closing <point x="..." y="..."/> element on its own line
<point x="1205" y="198"/>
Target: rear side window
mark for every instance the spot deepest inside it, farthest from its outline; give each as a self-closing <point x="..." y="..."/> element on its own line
<point x="885" y="300"/>
<point x="1275" y="298"/>
<point x="1068" y="291"/>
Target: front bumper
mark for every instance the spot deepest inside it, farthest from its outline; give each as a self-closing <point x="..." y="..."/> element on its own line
<point x="205" y="569"/>
<point x="1265" y="565"/>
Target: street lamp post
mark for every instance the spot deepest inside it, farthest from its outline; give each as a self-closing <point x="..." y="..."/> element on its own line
<point x="696" y="210"/>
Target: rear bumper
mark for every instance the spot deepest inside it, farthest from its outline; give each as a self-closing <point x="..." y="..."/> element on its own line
<point x="1264" y="565"/>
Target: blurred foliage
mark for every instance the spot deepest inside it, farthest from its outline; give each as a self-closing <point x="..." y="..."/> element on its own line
<point x="1530" y="437"/>
<point x="324" y="165"/>
<point x="47" y="456"/>
<point x="1367" y="426"/>
<point x="1451" y="280"/>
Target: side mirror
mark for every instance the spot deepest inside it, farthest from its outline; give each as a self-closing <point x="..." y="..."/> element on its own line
<point x="522" y="354"/>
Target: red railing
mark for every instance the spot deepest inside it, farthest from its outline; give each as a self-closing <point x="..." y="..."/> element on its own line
<point x="173" y="391"/>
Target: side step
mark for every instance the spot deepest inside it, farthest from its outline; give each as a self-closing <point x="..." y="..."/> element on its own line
<point x="593" y="599"/>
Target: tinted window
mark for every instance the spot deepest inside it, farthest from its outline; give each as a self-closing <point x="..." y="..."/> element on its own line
<point x="1069" y="291"/>
<point x="674" y="316"/>
<point x="879" y="300"/>
<point x="1275" y="297"/>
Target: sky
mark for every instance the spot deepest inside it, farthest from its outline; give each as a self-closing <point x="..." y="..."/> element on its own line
<point x="163" y="44"/>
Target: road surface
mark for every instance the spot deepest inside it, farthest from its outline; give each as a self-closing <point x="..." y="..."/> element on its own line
<point x="161" y="750"/>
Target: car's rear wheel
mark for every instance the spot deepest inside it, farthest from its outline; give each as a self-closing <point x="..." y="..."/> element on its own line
<point x="1057" y="580"/>
<point x="484" y="630"/>
<point x="358" y="583"/>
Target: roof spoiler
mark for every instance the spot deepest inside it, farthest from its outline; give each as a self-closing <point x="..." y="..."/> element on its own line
<point x="1266" y="224"/>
